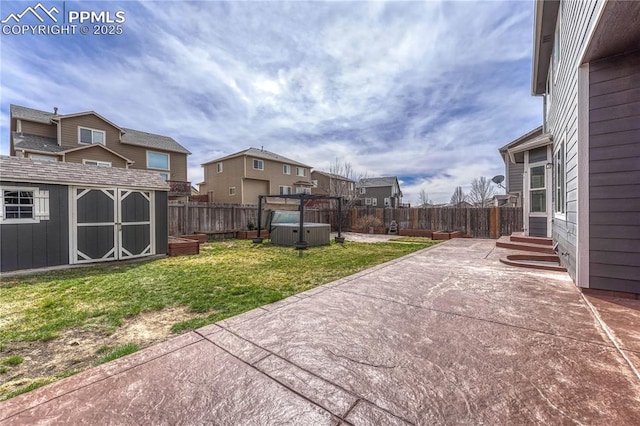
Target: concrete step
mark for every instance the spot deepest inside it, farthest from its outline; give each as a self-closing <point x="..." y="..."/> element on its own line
<point x="533" y="261"/>
<point x="505" y="242"/>
<point x="532" y="240"/>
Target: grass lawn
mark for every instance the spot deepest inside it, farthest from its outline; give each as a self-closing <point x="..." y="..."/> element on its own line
<point x="226" y="279"/>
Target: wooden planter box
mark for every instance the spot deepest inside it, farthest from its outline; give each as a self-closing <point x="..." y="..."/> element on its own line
<point x="200" y="238"/>
<point x="249" y="235"/>
<point x="446" y="235"/>
<point x="381" y="230"/>
<point x="426" y="233"/>
<point x="182" y="246"/>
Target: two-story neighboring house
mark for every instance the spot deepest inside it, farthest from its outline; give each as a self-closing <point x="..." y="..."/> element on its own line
<point x="91" y="139"/>
<point x="325" y="183"/>
<point x="241" y="177"/>
<point x="586" y="65"/>
<point x="380" y="192"/>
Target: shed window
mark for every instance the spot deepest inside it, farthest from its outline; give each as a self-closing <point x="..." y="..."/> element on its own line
<point x="24" y="205"/>
<point x="90" y="136"/>
<point x="157" y="160"/>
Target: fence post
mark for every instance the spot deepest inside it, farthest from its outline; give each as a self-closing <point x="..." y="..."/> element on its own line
<point x="494" y="223"/>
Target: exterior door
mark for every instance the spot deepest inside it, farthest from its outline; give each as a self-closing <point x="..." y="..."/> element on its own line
<point x="537" y="194"/>
<point x="111" y="224"/>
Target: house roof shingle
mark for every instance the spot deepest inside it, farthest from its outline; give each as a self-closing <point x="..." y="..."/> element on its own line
<point x="35" y="143"/>
<point x="333" y="176"/>
<point x="378" y="181"/>
<point x="150" y="140"/>
<point x="261" y="154"/>
<point x="129" y="136"/>
<point x="15" y="169"/>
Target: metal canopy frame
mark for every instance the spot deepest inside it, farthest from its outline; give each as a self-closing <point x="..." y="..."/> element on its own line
<point x="301" y="244"/>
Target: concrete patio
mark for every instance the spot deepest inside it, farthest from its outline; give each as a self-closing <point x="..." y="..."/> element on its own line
<point x="447" y="335"/>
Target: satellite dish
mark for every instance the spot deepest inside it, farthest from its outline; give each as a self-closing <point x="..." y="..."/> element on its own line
<point x="498" y="180"/>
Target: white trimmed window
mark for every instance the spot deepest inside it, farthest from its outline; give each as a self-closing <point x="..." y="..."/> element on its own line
<point x="387" y="201"/>
<point x="285" y="190"/>
<point x="164" y="176"/>
<point x="258" y="164"/>
<point x="363" y="190"/>
<point x="157" y="160"/>
<point x="24" y="205"/>
<point x="314" y="183"/>
<point x="367" y="201"/>
<point x="301" y="171"/>
<point x="219" y="167"/>
<point x="91" y="136"/>
<point x="40" y="157"/>
<point x="96" y="163"/>
<point x="374" y="202"/>
<point x="538" y="192"/>
<point x="300" y="190"/>
<point x="232" y="190"/>
<point x="286" y="169"/>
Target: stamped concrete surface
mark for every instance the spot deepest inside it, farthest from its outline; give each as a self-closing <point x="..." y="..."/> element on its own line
<point x="447" y="335"/>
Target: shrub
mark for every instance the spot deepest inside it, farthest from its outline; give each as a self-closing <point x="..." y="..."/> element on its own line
<point x="369" y="221"/>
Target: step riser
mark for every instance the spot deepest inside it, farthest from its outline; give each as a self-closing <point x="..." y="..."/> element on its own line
<point x="522" y="264"/>
<point x="532" y="240"/>
<point x="522" y="247"/>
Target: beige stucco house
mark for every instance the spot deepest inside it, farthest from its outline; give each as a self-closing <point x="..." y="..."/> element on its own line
<point x="239" y="178"/>
<point x="91" y="139"/>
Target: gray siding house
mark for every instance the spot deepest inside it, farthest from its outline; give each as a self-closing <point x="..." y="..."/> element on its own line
<point x="528" y="179"/>
<point x="380" y="192"/>
<point x="56" y="213"/>
<point x="586" y="65"/>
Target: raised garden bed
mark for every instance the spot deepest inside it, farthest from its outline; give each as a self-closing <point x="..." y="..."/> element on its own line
<point x="182" y="246"/>
<point x="446" y="235"/>
<point x="200" y="238"/>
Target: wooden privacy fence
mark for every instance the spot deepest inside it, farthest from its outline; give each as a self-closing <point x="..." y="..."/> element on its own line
<point x="489" y="222"/>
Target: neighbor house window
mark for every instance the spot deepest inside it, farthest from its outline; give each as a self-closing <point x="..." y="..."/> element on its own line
<point x="387" y="201"/>
<point x="24" y="205"/>
<point x="538" y="190"/>
<point x="303" y="190"/>
<point x="43" y="157"/>
<point x="232" y="190"/>
<point x="367" y="201"/>
<point x="219" y="167"/>
<point x="286" y="169"/>
<point x="374" y="201"/>
<point x="157" y="160"/>
<point x="90" y="136"/>
<point x="285" y="190"/>
<point x="314" y="183"/>
<point x="560" y="179"/>
<point x="258" y="164"/>
<point x="363" y="190"/>
<point x="96" y="163"/>
<point x="164" y="176"/>
<point x="301" y="171"/>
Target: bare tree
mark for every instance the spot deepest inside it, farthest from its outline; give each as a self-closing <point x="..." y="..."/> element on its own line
<point x="423" y="198"/>
<point x="482" y="191"/>
<point x="342" y="182"/>
<point x="458" y="196"/>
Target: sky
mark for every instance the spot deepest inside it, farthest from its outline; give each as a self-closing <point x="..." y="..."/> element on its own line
<point x="423" y="90"/>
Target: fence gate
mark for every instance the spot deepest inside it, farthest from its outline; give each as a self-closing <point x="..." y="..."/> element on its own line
<point x="111" y="224"/>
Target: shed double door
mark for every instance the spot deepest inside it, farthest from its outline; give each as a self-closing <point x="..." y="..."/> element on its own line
<point x="111" y="224"/>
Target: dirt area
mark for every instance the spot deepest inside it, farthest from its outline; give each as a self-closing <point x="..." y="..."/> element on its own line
<point x="366" y="238"/>
<point x="76" y="349"/>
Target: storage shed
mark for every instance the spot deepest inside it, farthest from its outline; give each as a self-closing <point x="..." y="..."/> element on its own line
<point x="54" y="213"/>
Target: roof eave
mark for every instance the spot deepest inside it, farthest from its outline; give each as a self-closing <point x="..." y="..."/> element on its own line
<point x="546" y="16"/>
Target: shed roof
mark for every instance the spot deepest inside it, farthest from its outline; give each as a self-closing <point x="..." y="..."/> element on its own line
<point x="262" y="154"/>
<point x="33" y="171"/>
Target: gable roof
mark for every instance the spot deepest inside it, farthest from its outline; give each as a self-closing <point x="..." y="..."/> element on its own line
<point x="533" y="133"/>
<point x="33" y="171"/>
<point x="379" y="181"/>
<point x="151" y="140"/>
<point x="99" y="146"/>
<point x="261" y="154"/>
<point x="128" y="136"/>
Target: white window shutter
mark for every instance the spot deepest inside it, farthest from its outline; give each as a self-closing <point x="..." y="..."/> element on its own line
<point x="41" y="204"/>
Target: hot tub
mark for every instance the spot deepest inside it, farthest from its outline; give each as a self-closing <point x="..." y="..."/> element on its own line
<point x="288" y="234"/>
